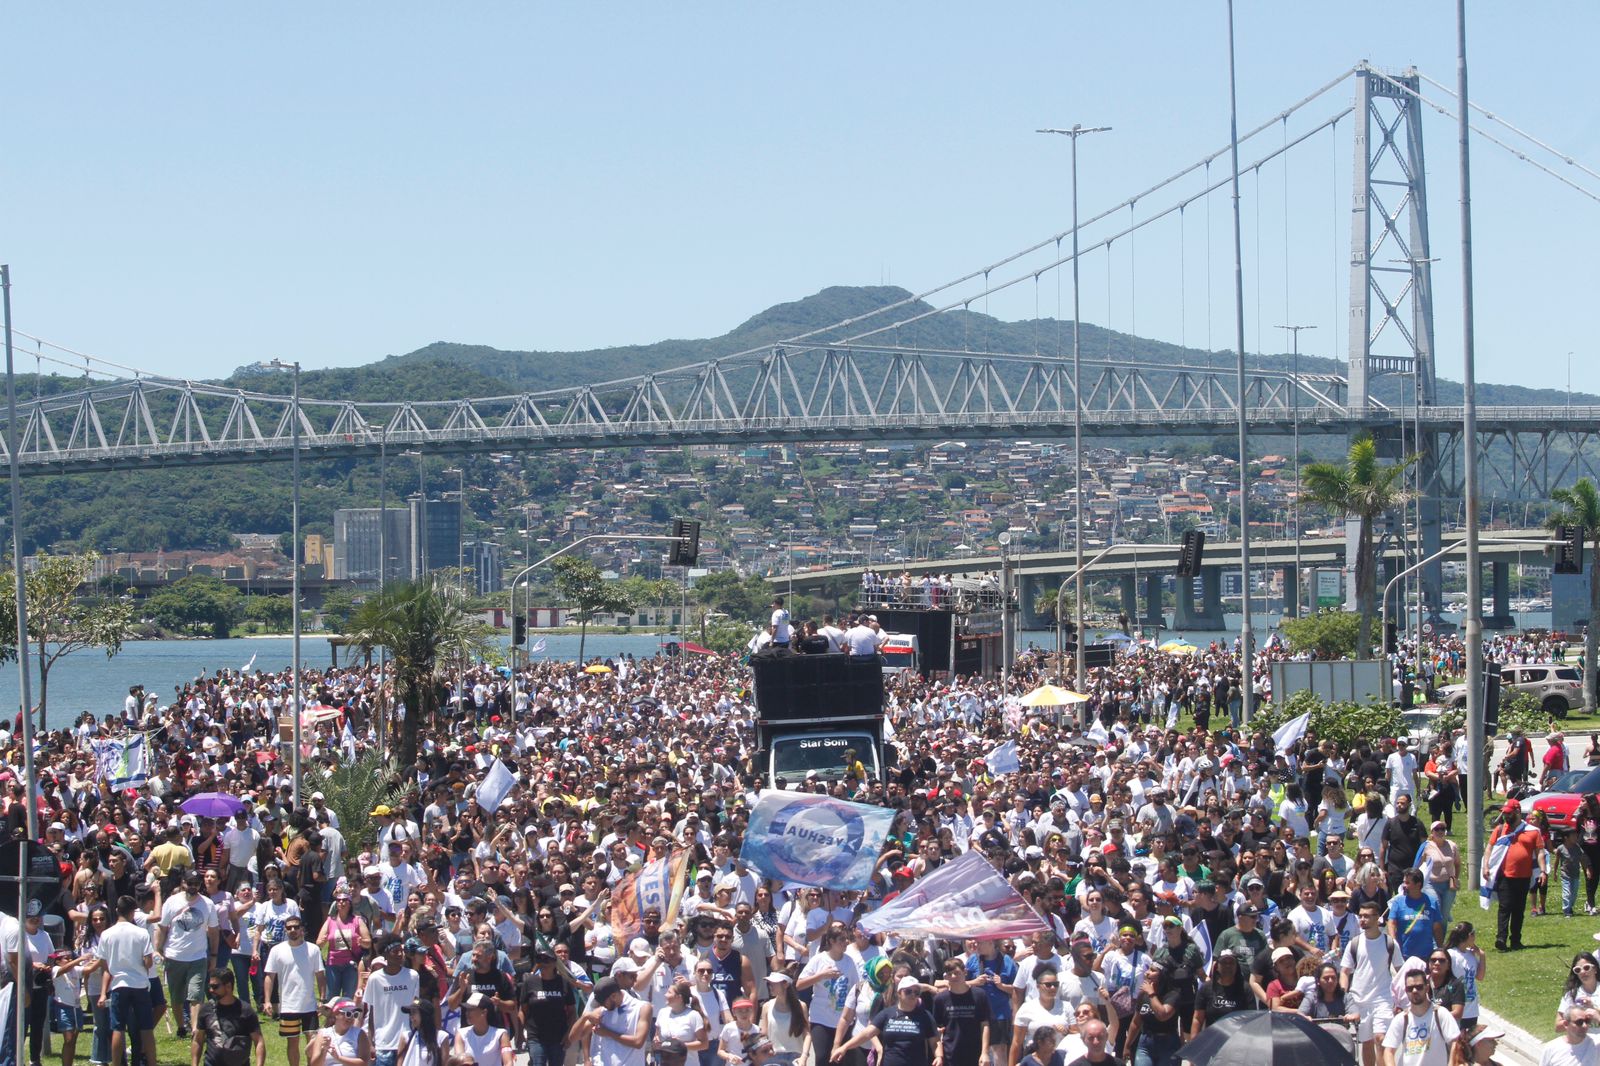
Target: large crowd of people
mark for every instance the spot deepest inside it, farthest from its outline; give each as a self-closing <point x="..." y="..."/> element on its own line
<point x="1185" y="874"/>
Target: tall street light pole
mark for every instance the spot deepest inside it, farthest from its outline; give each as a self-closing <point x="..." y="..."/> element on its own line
<point x="20" y="962"/>
<point x="1294" y="400"/>
<point x="383" y="572"/>
<point x="1246" y="630"/>
<point x="1077" y="130"/>
<point x="294" y="523"/>
<point x="1469" y="441"/>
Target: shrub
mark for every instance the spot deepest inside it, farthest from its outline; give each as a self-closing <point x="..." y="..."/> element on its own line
<point x="1343" y="721"/>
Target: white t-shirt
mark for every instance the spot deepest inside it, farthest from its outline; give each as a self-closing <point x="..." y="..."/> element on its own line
<point x="1032" y="1016"/>
<point x="1370" y="976"/>
<point x="1314" y="925"/>
<point x="1558" y="1052"/>
<point x="186" y="924"/>
<point x="389" y="996"/>
<point x="1423" y="1041"/>
<point x="828" y="997"/>
<point x="296" y="969"/>
<point x="123" y="949"/>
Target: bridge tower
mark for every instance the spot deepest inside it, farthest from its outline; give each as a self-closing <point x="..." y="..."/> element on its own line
<point x="1391" y="287"/>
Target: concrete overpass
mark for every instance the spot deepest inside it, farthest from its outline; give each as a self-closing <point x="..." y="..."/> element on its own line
<point x="1152" y="563"/>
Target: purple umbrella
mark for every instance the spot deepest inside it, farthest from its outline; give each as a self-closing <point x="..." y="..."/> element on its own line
<point x="212" y="805"/>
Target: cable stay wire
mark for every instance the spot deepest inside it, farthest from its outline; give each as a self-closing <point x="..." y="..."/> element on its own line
<point x="1493" y="116"/>
<point x="1491" y="138"/>
<point x="1107" y="241"/>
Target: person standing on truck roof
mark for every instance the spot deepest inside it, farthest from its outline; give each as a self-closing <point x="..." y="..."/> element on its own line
<point x="779" y="629"/>
<point x="864" y="638"/>
<point x="834" y="634"/>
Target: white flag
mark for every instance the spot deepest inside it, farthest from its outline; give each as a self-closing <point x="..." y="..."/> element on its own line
<point x="497" y="785"/>
<point x="245" y="669"/>
<point x="1290" y="731"/>
<point x="1097" y="733"/>
<point x="1003" y="760"/>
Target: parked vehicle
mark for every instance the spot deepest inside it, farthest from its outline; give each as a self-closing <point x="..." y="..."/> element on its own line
<point x="1560" y="801"/>
<point x="1557" y="686"/>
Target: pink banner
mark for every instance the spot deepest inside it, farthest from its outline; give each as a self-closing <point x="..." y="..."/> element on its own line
<point x="966" y="897"/>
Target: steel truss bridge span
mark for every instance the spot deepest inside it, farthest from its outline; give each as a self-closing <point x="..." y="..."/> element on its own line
<point x="782" y="395"/>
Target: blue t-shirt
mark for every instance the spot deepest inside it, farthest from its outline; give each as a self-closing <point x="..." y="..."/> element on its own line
<point x="1004" y="967"/>
<point x="1414" y="921"/>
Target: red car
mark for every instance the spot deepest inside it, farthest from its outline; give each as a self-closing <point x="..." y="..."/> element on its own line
<point x="1560" y="801"/>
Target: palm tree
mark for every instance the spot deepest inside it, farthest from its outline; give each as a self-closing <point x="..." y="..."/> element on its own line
<point x="1363" y="489"/>
<point x="1580" y="507"/>
<point x="419" y="622"/>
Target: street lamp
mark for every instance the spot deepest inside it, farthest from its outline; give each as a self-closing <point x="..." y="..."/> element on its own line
<point x="1246" y="629"/>
<point x="294" y="522"/>
<point x="1077" y="130"/>
<point x="1469" y="467"/>
<point x="1294" y="400"/>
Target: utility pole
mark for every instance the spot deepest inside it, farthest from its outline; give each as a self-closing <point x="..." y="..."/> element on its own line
<point x="1077" y="130"/>
<point x="294" y="522"/>
<point x="1246" y="631"/>
<point x="1476" y="785"/>
<point x="1294" y="393"/>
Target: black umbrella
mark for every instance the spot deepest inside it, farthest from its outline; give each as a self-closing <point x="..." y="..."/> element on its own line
<point x="1266" y="1038"/>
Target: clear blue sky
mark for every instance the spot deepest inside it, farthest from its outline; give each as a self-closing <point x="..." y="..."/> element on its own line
<point x="189" y="187"/>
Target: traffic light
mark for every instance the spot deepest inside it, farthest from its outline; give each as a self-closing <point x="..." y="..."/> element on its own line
<point x="1569" y="553"/>
<point x="1491" y="699"/>
<point x="519" y="630"/>
<point x="1190" y="554"/>
<point x="686" y="546"/>
<point x="1390" y="633"/>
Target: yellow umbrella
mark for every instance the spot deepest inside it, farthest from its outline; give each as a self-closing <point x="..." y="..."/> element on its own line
<point x="1051" y="696"/>
<point x="597" y="668"/>
<point x="1177" y="647"/>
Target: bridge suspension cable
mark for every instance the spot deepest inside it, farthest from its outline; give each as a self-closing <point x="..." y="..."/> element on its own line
<point x="1494" y="117"/>
<point x="1007" y="260"/>
<point x="1103" y="244"/>
<point x="1491" y="138"/>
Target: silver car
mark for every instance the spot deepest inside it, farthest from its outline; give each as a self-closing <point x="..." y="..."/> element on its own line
<point x="1557" y="686"/>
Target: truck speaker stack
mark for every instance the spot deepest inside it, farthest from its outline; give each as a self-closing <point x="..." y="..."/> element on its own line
<point x="790" y="687"/>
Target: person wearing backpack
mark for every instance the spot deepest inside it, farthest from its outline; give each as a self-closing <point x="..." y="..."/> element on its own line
<point x="1367" y="967"/>
<point x="1422" y="1034"/>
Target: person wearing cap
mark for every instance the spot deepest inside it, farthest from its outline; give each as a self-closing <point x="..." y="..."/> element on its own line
<point x="1483" y="1044"/>
<point x="1243" y="939"/>
<point x="1508" y="870"/>
<point x="343" y="1039"/>
<point x="547" y="1008"/>
<point x="484" y="1044"/>
<point x="186" y="938"/>
<point x="616" y="1028"/>
<point x="227" y="1026"/>
<point x="906" y="1030"/>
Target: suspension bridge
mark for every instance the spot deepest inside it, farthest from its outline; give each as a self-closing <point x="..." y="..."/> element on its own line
<point x="869" y="378"/>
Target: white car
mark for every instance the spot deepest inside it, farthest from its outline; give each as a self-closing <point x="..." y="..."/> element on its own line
<point x="1421" y="726"/>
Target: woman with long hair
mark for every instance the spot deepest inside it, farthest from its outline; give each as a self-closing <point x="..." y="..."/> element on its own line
<point x="1327" y="1000"/>
<point x="424" y="1043"/>
<point x="783" y="1017"/>
<point x="1587" y="820"/>
<point x="1469" y="964"/>
<point x="681" y="1027"/>
<point x="1582" y="988"/>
